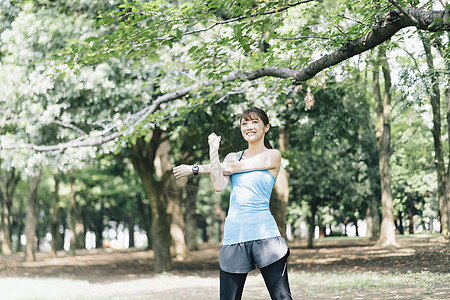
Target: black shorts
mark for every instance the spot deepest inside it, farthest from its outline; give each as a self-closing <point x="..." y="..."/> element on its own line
<point x="242" y="257"/>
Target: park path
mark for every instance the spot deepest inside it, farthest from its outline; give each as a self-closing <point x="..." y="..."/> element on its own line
<point x="113" y="274"/>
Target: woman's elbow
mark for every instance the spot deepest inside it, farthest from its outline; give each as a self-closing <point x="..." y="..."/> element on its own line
<point x="219" y="189"/>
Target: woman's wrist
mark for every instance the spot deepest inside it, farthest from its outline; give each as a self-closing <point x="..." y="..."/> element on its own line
<point x="203" y="169"/>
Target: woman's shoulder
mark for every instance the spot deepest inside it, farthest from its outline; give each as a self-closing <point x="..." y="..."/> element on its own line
<point x="232" y="156"/>
<point x="274" y="153"/>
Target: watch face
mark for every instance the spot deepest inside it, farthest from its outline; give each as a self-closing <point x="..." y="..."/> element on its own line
<point x="195" y="170"/>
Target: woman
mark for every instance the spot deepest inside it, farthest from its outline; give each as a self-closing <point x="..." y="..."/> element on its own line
<point x="251" y="235"/>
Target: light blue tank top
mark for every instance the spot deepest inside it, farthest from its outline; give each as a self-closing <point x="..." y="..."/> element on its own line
<point x="249" y="217"/>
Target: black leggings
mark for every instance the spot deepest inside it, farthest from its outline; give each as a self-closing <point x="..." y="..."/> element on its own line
<point x="275" y="276"/>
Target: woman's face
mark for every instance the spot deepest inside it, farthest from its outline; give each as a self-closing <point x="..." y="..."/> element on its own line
<point x="253" y="129"/>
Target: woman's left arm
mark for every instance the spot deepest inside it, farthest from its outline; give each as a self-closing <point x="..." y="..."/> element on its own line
<point x="268" y="160"/>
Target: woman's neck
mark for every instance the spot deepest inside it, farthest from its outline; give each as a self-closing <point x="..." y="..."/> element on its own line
<point x="255" y="149"/>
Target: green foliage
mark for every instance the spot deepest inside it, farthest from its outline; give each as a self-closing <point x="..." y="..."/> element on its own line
<point x="328" y="158"/>
<point x="108" y="191"/>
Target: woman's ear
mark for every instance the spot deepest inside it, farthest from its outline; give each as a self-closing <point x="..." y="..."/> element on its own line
<point x="266" y="128"/>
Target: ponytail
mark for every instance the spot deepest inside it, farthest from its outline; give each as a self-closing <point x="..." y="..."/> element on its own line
<point x="267" y="143"/>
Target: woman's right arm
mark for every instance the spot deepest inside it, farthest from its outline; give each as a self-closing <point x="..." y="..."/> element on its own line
<point x="218" y="179"/>
<point x="186" y="170"/>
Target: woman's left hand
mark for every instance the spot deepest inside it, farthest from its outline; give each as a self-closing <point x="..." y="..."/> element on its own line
<point x="182" y="171"/>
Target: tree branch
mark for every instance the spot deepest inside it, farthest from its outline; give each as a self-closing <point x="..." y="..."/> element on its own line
<point x="300" y="37"/>
<point x="400" y="8"/>
<point x="237" y="19"/>
<point x="384" y="30"/>
<point x="353" y="20"/>
<point x="71" y="126"/>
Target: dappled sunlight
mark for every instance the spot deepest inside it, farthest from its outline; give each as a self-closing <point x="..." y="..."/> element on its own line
<point x="349" y="255"/>
<point x="315" y="260"/>
<point x="91" y="265"/>
<point x="414" y="254"/>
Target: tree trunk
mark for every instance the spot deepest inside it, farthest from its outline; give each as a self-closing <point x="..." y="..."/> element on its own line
<point x="99" y="234"/>
<point x="373" y="220"/>
<point x="143" y="157"/>
<point x="203" y="226"/>
<point x="400" y="223"/>
<point x="435" y="99"/>
<point x="5" y="225"/>
<point x="146" y="214"/>
<point x="411" y="221"/>
<point x="322" y="230"/>
<point x="130" y="226"/>
<point x="20" y="226"/>
<point x="77" y="236"/>
<point x="160" y="235"/>
<point x="172" y="194"/>
<point x="54" y="219"/>
<point x="9" y="180"/>
<point x="189" y="215"/>
<point x="311" y="223"/>
<point x="447" y="96"/>
<point x="280" y="194"/>
<point x="30" y="223"/>
<point x="1" y="233"/>
<point x="387" y="233"/>
<point x="279" y="200"/>
<point x="178" y="245"/>
<point x="447" y="186"/>
<point x="372" y="162"/>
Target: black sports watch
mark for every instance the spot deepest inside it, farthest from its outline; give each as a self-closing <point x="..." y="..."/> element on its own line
<point x="195" y="170"/>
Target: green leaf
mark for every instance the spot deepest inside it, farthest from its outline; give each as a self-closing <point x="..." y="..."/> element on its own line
<point x="179" y="34"/>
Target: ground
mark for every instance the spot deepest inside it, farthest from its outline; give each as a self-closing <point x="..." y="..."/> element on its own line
<point x="342" y="268"/>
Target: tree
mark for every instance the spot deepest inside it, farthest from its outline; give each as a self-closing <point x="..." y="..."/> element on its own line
<point x="139" y="30"/>
<point x="30" y="227"/>
<point x="424" y="82"/>
<point x="383" y="109"/>
<point x="214" y="46"/>
<point x="55" y="216"/>
<point x="8" y="184"/>
<point x="435" y="100"/>
<point x="324" y="154"/>
<point x="412" y="159"/>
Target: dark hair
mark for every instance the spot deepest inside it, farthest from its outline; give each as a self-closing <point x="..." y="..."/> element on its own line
<point x="255" y="113"/>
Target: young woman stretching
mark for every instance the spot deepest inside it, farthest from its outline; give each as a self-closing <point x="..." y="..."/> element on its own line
<point x="251" y="235"/>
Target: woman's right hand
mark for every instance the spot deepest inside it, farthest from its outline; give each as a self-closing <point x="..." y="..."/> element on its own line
<point x="214" y="141"/>
<point x="182" y="171"/>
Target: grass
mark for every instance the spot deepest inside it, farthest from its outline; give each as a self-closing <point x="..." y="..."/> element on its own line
<point x="344" y="283"/>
